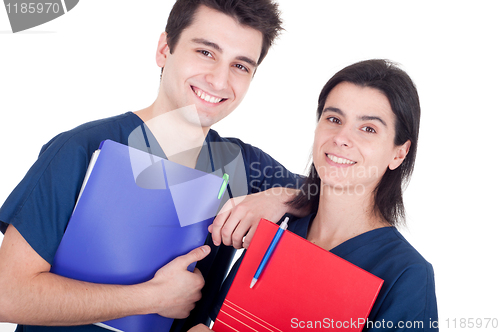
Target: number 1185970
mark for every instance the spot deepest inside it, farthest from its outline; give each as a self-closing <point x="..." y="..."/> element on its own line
<point x="32" y="8"/>
<point x="469" y="323"/>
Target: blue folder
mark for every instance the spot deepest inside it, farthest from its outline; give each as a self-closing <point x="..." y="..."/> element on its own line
<point x="136" y="212"/>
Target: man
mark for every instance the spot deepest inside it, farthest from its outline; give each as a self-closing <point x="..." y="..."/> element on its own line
<point x="208" y="55"/>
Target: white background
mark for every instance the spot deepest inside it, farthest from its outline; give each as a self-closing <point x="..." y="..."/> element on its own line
<point x="98" y="61"/>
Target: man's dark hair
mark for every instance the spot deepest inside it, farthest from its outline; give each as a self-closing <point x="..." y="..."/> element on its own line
<point x="402" y="94"/>
<point x="261" y="15"/>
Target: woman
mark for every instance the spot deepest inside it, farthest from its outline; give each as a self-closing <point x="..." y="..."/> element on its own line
<point x="364" y="152"/>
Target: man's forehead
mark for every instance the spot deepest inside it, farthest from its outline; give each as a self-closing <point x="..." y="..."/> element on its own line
<point x="224" y="31"/>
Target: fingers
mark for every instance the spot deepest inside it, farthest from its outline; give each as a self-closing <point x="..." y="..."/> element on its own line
<point x="199" y="328"/>
<point x="242" y="226"/>
<point x="249" y="237"/>
<point x="197" y="272"/>
<point x="175" y="288"/>
<point x="233" y="231"/>
<point x="231" y="228"/>
<point x="216" y="227"/>
<point x="240" y="216"/>
<point x="194" y="255"/>
<point x="220" y="220"/>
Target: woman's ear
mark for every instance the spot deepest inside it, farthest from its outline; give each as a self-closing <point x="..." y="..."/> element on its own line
<point x="400" y="155"/>
<point x="162" y="50"/>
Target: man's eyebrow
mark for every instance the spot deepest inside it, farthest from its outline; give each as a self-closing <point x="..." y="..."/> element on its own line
<point x="207" y="43"/>
<point x="216" y="47"/>
<point x="247" y="60"/>
<point x="362" y="118"/>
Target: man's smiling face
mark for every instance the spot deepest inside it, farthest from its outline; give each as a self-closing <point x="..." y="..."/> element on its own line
<point x="211" y="66"/>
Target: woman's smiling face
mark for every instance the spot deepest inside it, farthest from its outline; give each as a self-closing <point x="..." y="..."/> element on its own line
<point x="354" y="139"/>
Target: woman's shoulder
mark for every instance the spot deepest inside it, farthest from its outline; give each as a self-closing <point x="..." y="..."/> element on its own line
<point x="384" y="252"/>
<point x="400" y="248"/>
<point x="408" y="281"/>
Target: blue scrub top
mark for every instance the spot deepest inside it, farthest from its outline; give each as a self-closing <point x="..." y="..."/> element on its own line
<point x="407" y="299"/>
<point x="41" y="205"/>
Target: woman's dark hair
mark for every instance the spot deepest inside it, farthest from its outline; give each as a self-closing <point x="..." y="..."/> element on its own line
<point x="402" y="94"/>
<point x="261" y="15"/>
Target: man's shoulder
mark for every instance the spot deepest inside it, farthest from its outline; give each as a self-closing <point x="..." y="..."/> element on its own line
<point x="213" y="136"/>
<point x="233" y="144"/>
<point x="89" y="135"/>
<point x="111" y="122"/>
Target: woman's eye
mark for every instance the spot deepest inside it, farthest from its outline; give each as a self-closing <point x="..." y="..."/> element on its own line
<point x="369" y="130"/>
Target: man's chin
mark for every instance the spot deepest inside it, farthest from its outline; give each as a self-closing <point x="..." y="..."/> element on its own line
<point x="207" y="120"/>
<point x="206" y="123"/>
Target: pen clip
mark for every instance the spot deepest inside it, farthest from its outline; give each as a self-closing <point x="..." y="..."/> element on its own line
<point x="223" y="186"/>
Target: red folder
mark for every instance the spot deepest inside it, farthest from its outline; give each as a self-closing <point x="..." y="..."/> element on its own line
<point x="302" y="286"/>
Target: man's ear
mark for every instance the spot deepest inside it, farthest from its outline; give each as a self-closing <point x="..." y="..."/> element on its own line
<point x="162" y="50"/>
<point x="401" y="152"/>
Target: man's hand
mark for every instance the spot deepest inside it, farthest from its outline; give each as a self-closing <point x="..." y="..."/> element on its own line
<point x="240" y="216"/>
<point x="177" y="288"/>
<point x="199" y="328"/>
<point x="32" y="295"/>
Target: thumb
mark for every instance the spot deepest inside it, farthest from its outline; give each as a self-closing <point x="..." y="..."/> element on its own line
<point x="194" y="255"/>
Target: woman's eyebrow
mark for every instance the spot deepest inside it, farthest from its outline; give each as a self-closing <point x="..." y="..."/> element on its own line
<point x="371" y="118"/>
<point x="362" y="118"/>
<point x="334" y="110"/>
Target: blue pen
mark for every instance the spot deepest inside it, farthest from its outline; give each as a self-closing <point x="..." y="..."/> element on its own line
<point x="269" y="251"/>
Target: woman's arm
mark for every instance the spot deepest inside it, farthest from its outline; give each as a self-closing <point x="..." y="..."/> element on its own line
<point x="409" y="304"/>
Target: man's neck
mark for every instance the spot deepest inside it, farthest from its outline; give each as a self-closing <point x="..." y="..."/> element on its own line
<point x="178" y="132"/>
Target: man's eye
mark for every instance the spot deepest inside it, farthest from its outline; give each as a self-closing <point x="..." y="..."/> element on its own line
<point x="205" y="53"/>
<point x="241" y="67"/>
<point x="369" y="130"/>
<point x="334" y="120"/>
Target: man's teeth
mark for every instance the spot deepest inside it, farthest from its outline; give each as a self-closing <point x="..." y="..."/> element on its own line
<point x="206" y="97"/>
<point x="340" y="160"/>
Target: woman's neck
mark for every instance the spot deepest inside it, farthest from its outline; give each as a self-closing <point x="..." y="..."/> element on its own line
<point x="342" y="216"/>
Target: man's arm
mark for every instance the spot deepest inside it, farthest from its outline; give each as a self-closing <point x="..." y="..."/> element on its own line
<point x="261" y="190"/>
<point x="31" y="295"/>
<point x="240" y="216"/>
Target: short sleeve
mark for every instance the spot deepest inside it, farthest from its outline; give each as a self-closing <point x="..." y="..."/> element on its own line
<point x="252" y="169"/>
<point x="410" y="304"/>
<point x="42" y="203"/>
<point x="264" y="172"/>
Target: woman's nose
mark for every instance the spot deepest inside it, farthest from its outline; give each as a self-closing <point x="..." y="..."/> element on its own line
<point x="343" y="137"/>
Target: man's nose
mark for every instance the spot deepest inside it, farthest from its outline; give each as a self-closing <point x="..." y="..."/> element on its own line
<point x="218" y="76"/>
